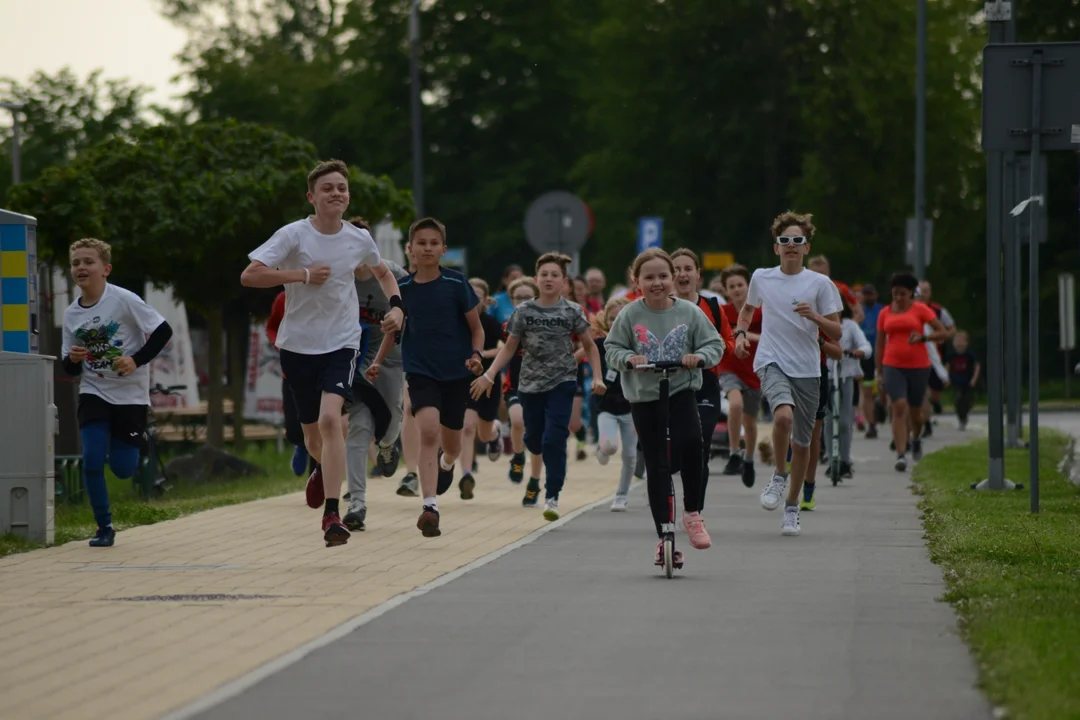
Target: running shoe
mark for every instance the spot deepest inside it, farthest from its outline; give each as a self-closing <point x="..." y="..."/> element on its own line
<point x="748" y="472"/>
<point x="695" y="528"/>
<point x="619" y="503"/>
<point x="790" y="524"/>
<point x="846" y="470"/>
<point x="299" y="460"/>
<point x="428" y="523"/>
<point x="387" y="459"/>
<point x="410" y="485"/>
<point x="532" y="493"/>
<point x="446" y="477"/>
<point x="494" y="448"/>
<point x="466" y="485"/>
<point x="658" y="559"/>
<point x="334" y="533"/>
<point x="314" y="492"/>
<point x="773" y="494"/>
<point x="581" y="454"/>
<point x="551" y="509"/>
<point x="354" y="519"/>
<point x="734" y="464"/>
<point x="517" y="468"/>
<point x="916" y="450"/>
<point x="927" y="429"/>
<point x="601" y="456"/>
<point x="871" y="432"/>
<point x="808" y="502"/>
<point x="901" y="463"/>
<point x="104" y="537"/>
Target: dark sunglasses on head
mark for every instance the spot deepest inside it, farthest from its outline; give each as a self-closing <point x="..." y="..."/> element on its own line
<point x="793" y="239"/>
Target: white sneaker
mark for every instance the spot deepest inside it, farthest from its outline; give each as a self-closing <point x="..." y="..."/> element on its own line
<point x="790" y="524"/>
<point x="601" y="456"/>
<point x="619" y="504"/>
<point x="551" y="509"/>
<point x="773" y="494"/>
<point x="901" y="463"/>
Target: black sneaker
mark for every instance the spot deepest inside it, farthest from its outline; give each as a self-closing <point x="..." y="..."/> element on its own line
<point x="446" y="477"/>
<point x="354" y="519"/>
<point x="104" y="537"/>
<point x="927" y="429"/>
<point x="410" y="486"/>
<point x="387" y="459"/>
<point x="532" y="493"/>
<point x="846" y="470"/>
<point x="428" y="523"/>
<point x="748" y="473"/>
<point x="517" y="468"/>
<point x="916" y="450"/>
<point x="494" y="448"/>
<point x="466" y="485"/>
<point x="871" y="432"/>
<point x="734" y="464"/>
<point x="935" y="405"/>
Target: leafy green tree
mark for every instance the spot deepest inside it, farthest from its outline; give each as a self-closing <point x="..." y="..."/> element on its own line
<point x="185" y="204"/>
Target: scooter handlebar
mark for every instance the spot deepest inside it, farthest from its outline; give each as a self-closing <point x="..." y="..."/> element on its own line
<point x="659" y="365"/>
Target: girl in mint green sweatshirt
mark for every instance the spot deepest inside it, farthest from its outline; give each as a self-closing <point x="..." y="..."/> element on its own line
<point x="660" y="327"/>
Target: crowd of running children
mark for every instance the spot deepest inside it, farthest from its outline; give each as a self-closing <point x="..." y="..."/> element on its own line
<point x="426" y="369"/>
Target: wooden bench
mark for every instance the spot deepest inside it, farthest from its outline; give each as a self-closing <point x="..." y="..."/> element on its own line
<point x="197" y="433"/>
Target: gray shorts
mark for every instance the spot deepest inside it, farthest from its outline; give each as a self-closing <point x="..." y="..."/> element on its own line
<point x="906" y="384"/>
<point x="751" y="399"/>
<point x="800" y="393"/>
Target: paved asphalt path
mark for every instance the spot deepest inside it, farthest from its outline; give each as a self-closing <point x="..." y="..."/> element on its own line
<point x="842" y="622"/>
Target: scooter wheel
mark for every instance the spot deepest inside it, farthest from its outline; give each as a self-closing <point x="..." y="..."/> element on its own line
<point x="669" y="557"/>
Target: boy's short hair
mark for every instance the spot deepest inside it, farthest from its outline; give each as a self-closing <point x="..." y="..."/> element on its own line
<point x="563" y="261"/>
<point x="734" y="271"/>
<point x="427" y="223"/>
<point x="325" y="168"/>
<point x="360" y="222"/>
<point x="104" y="250"/>
<point x="792" y="219"/>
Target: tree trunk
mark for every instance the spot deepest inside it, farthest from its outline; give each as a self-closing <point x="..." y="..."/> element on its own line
<point x="239" y="335"/>
<point x="215" y="415"/>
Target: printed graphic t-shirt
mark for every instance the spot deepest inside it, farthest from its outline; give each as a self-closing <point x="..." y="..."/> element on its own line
<point x="546" y="334"/>
<point x="117" y="325"/>
<point x="319" y="319"/>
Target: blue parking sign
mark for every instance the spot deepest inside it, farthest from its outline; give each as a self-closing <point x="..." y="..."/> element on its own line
<point x="650" y="233"/>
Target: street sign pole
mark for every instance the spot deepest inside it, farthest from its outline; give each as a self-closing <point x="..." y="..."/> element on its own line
<point x="1013" y="355"/>
<point x="920" y="142"/>
<point x="1037" y="191"/>
<point x="1067" y="322"/>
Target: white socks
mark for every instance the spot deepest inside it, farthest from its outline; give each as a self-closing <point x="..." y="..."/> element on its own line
<point x="431" y="502"/>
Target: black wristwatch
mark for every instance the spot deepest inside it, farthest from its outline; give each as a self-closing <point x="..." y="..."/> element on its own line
<point x="478" y="354"/>
<point x="739" y="332"/>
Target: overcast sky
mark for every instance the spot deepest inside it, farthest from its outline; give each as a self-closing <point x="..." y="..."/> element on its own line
<point x="126" y="38"/>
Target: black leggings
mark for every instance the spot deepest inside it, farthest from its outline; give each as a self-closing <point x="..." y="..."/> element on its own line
<point x="708" y="407"/>
<point x="685" y="447"/>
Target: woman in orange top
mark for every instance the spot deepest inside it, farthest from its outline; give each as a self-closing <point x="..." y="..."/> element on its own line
<point x="903" y="363"/>
<point x="687" y="281"/>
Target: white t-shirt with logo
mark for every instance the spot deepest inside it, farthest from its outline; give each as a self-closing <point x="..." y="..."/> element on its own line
<point x="117" y="325"/>
<point x="319" y="318"/>
<point x="787" y="339"/>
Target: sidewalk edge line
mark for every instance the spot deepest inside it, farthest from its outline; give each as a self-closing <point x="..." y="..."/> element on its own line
<point x="235" y="687"/>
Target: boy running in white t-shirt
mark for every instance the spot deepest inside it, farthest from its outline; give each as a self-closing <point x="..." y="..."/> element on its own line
<point x="796" y="304"/>
<point x="110" y="335"/>
<point x="317" y="259"/>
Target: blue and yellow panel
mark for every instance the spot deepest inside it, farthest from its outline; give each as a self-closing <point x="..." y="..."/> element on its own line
<point x="14" y="289"/>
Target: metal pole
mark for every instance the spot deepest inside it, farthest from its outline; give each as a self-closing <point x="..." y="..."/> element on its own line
<point x="920" y="143"/>
<point x="1014" y="348"/>
<point x="16" y="149"/>
<point x="417" y="143"/>
<point x="1033" y="278"/>
<point x="994" y="302"/>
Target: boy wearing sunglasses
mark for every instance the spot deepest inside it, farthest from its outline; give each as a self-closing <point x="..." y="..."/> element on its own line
<point x="797" y="305"/>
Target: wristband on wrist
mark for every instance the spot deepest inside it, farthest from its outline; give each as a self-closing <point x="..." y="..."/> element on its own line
<point x="740" y="332"/>
<point x="395" y="302"/>
<point x="307" y="276"/>
<point x="488" y="378"/>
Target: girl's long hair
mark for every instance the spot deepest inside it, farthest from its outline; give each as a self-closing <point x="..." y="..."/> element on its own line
<point x="601" y="323"/>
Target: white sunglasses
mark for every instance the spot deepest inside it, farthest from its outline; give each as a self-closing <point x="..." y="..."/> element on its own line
<point x="793" y="239"/>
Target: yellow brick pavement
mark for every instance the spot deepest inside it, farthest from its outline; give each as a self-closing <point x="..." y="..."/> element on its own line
<point x="75" y="645"/>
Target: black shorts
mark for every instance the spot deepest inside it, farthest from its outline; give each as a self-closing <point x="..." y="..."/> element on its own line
<point x="934" y="382"/>
<point x="906" y="384"/>
<point x="126" y="422"/>
<point x="868" y="370"/>
<point x="512" y="398"/>
<point x="449" y="397"/>
<point x="487" y="407"/>
<point x="312" y="375"/>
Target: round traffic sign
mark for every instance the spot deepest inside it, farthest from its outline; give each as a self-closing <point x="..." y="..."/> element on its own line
<point x="557" y="222"/>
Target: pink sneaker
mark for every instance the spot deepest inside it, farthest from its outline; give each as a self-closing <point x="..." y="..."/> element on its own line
<point x="658" y="559"/>
<point x="695" y="528"/>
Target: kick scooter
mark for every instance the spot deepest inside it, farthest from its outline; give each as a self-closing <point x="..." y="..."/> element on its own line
<point x="666" y="368"/>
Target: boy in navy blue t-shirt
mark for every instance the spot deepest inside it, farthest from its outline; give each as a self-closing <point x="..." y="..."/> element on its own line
<point x="441" y="348"/>
<point x="963" y="376"/>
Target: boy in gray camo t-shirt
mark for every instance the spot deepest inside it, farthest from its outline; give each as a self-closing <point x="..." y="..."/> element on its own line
<point x="546" y="333"/>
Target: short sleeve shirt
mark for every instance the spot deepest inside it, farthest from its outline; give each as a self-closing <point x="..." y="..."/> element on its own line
<point x="897" y="328"/>
<point x="319" y="319"/>
<point x="547" y="333"/>
<point x="117" y="325"/>
<point x="437" y="340"/>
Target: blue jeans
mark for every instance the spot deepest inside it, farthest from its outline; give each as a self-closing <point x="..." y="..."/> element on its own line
<point x="123" y="460"/>
<point x="547" y="428"/>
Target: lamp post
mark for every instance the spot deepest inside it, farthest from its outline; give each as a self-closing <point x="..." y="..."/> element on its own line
<point x="920" y="143"/>
<point x="16" y="159"/>
<point x="414" y="72"/>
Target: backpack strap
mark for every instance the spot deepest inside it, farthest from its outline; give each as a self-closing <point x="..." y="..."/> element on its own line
<point x="714" y="305"/>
